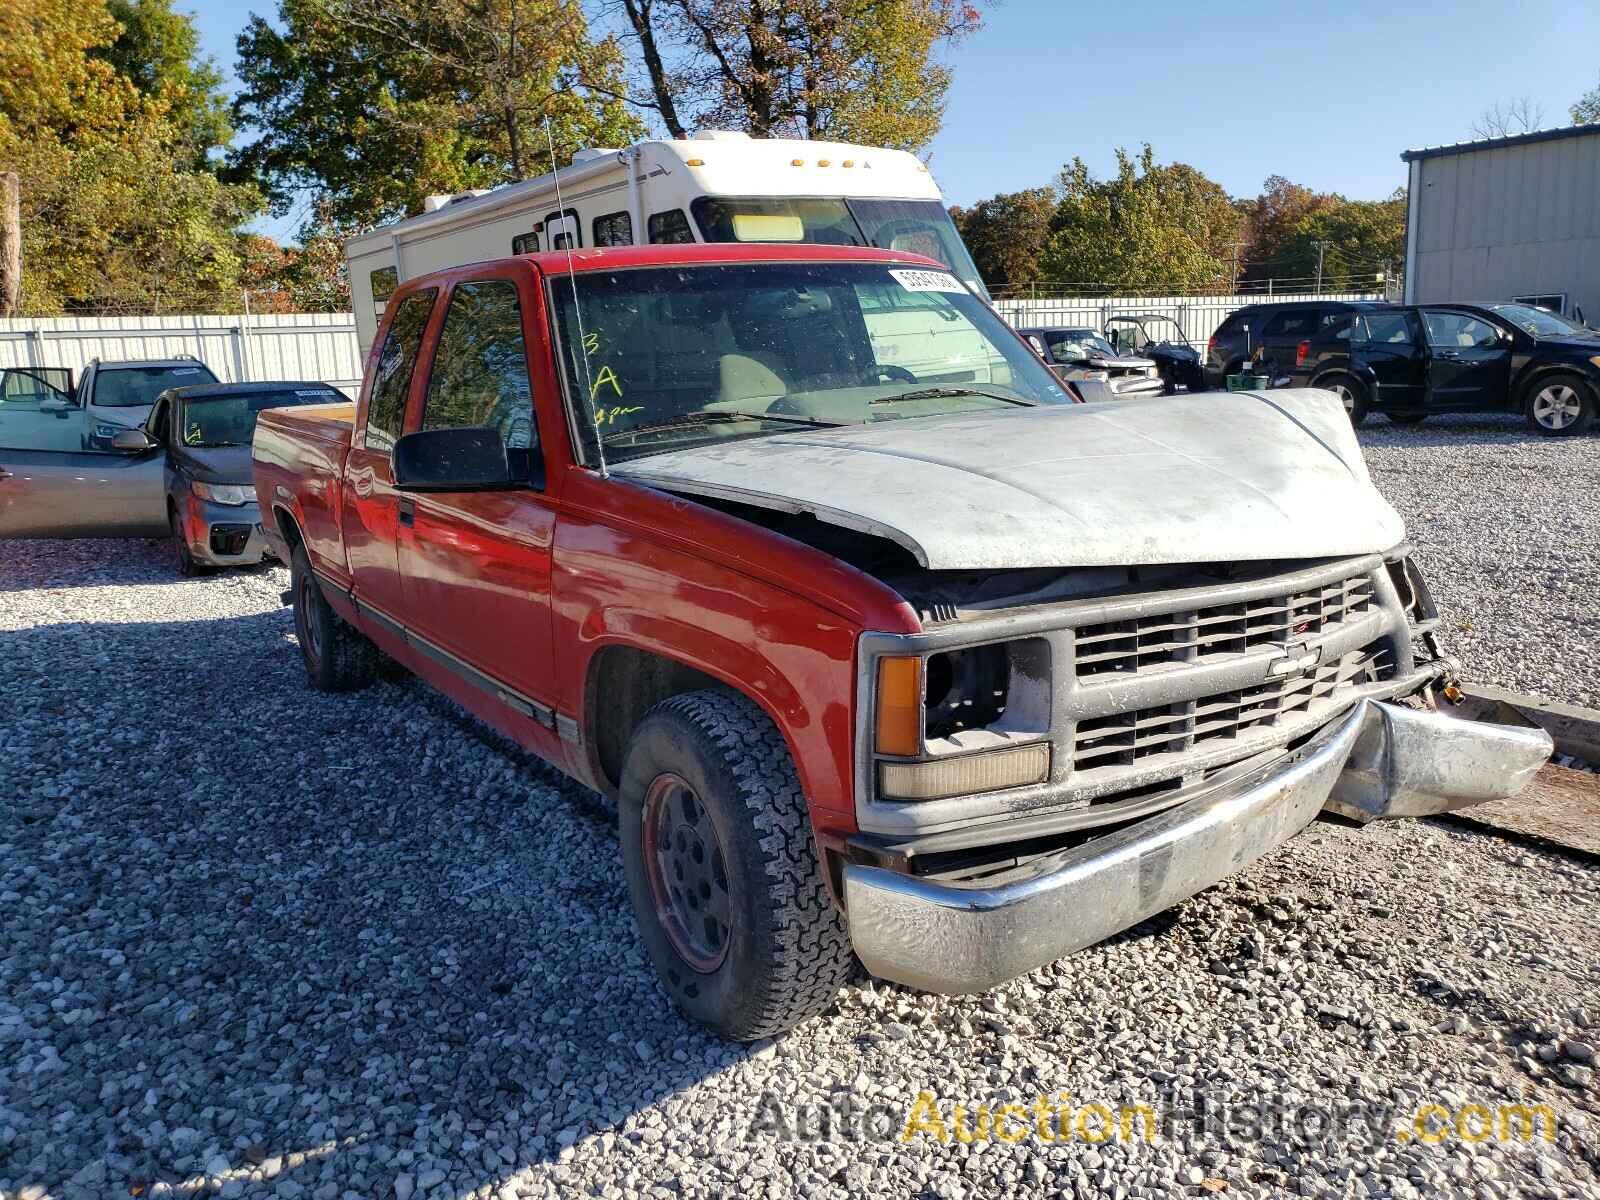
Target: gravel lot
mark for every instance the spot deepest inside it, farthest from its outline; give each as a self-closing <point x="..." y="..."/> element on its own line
<point x="334" y="947"/>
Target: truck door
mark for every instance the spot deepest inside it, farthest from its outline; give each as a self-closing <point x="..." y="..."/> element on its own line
<point x="50" y="486"/>
<point x="475" y="566"/>
<point x="1469" y="360"/>
<point x="370" y="520"/>
<point x="1389" y="345"/>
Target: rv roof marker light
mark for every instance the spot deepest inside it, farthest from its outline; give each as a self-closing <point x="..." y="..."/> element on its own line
<point x="797" y="162"/>
<point x="849" y="162"/>
<point x="823" y="162"/>
<point x="695" y="162"/>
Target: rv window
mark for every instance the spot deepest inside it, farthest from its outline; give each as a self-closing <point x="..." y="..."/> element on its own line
<point x="561" y="229"/>
<point x="383" y="281"/>
<point x="386" y="407"/>
<point x="525" y="243"/>
<point x="613" y="229"/>
<point x="670" y="226"/>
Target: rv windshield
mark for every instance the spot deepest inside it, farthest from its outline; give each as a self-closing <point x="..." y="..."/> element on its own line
<point x="674" y="356"/>
<point x="912" y="226"/>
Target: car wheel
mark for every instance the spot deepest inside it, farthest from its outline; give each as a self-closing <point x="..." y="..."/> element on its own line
<point x="723" y="871"/>
<point x="188" y="565"/>
<point x="338" y="658"/>
<point x="1406" y="418"/>
<point x="1560" y="405"/>
<point x="1352" y="394"/>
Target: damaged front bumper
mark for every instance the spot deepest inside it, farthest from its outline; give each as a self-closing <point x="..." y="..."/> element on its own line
<point x="1380" y="760"/>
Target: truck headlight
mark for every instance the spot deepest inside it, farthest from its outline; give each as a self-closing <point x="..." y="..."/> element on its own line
<point x="989" y="771"/>
<point x="234" y="494"/>
<point x="103" y="430"/>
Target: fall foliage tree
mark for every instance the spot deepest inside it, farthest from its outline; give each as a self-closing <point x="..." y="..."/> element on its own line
<point x="1586" y="109"/>
<point x="1006" y="234"/>
<point x="114" y="213"/>
<point x="158" y="50"/>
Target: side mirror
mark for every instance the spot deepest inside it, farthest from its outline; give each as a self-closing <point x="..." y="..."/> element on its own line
<point x="134" y="441"/>
<point x="471" y="459"/>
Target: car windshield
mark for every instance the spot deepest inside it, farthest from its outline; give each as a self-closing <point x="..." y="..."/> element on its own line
<point x="230" y="420"/>
<point x="1540" y="322"/>
<point x="1075" y="345"/>
<point x="653" y="356"/>
<point x="135" y="387"/>
<point x="911" y="226"/>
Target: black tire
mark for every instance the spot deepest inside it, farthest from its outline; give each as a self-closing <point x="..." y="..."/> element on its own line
<point x="1352" y="394"/>
<point x="1560" y="405"/>
<point x="784" y="949"/>
<point x="188" y="566"/>
<point x="1406" y="418"/>
<point x="337" y="657"/>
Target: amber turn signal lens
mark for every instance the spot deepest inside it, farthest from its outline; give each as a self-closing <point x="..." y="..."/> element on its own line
<point x="899" y="706"/>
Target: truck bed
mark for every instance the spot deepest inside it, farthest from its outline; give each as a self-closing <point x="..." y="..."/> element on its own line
<point x="299" y="456"/>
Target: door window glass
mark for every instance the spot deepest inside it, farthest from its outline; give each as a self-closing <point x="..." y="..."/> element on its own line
<point x="37" y="414"/>
<point x="480" y="369"/>
<point x="1385" y="329"/>
<point x="1292" y="324"/>
<point x="386" y="408"/>
<point x="1459" y="331"/>
<point x="668" y="227"/>
<point x="613" y="229"/>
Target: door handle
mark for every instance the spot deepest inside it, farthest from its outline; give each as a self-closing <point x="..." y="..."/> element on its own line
<point x="408" y="511"/>
<point x="1450" y="354"/>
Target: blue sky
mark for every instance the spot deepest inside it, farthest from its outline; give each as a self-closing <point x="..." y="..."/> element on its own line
<point x="1327" y="94"/>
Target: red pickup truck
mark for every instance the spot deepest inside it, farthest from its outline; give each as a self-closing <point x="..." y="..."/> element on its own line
<point x="886" y="649"/>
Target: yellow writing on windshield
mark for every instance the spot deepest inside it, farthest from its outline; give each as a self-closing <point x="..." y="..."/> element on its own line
<point x="606" y="376"/>
<point x="609" y="416"/>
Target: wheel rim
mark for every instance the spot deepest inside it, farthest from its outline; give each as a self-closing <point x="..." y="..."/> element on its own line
<point x="308" y="624"/>
<point x="1346" y="397"/>
<point x="1557" y="406"/>
<point x="687" y="872"/>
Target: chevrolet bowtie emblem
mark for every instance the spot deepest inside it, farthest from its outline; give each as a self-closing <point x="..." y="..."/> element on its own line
<point x="1296" y="661"/>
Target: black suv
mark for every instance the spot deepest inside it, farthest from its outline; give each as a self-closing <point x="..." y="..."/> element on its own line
<point x="1269" y="334"/>
<point x="1407" y="362"/>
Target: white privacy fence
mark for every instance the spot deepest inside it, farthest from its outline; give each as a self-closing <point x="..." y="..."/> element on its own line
<point x="1197" y="316"/>
<point x="322" y="346"/>
<point x="242" y="348"/>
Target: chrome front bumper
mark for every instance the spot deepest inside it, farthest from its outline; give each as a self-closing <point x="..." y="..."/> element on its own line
<point x="1381" y="760"/>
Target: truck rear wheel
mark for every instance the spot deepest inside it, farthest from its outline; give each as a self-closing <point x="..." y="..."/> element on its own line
<point x="337" y="657"/>
<point x="723" y="871"/>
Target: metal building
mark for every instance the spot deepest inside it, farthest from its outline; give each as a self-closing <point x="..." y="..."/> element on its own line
<point x="1512" y="218"/>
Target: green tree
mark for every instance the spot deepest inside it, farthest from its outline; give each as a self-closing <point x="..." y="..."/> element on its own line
<point x="847" y="70"/>
<point x="1587" y="108"/>
<point x="372" y="105"/>
<point x="1151" y="229"/>
<point x="1006" y="235"/>
<point x="158" y="51"/>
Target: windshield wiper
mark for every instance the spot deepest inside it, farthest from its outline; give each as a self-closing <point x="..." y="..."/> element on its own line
<point x="691" y="419"/>
<point x="943" y="393"/>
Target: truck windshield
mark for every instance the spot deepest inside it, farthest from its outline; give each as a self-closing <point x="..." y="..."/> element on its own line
<point x="231" y="420"/>
<point x="651" y="355"/>
<point x="911" y="226"/>
<point x="136" y="387"/>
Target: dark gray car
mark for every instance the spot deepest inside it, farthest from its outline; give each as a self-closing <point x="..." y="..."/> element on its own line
<point x="205" y="435"/>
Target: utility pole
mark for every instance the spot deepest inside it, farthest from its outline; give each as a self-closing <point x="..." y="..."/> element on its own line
<point x="10" y="242"/>
<point x="1321" y="246"/>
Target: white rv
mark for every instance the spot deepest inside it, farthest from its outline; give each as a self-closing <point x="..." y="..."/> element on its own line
<point x="717" y="186"/>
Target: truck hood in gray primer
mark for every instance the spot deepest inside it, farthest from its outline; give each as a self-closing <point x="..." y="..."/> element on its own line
<point x="1210" y="477"/>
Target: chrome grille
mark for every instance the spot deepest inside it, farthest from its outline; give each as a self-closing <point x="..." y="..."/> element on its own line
<point x="1120" y="648"/>
<point x="1122" y="739"/>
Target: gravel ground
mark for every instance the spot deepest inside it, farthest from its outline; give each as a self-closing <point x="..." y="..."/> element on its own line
<point x="335" y="947"/>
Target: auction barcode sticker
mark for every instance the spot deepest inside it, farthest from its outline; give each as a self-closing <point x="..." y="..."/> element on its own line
<point x="926" y="281"/>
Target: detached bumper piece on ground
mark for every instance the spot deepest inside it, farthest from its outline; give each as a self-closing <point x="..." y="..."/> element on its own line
<point x="1382" y="761"/>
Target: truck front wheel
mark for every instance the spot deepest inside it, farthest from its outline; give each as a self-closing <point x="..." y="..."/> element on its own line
<point x="337" y="657"/>
<point x="723" y="870"/>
